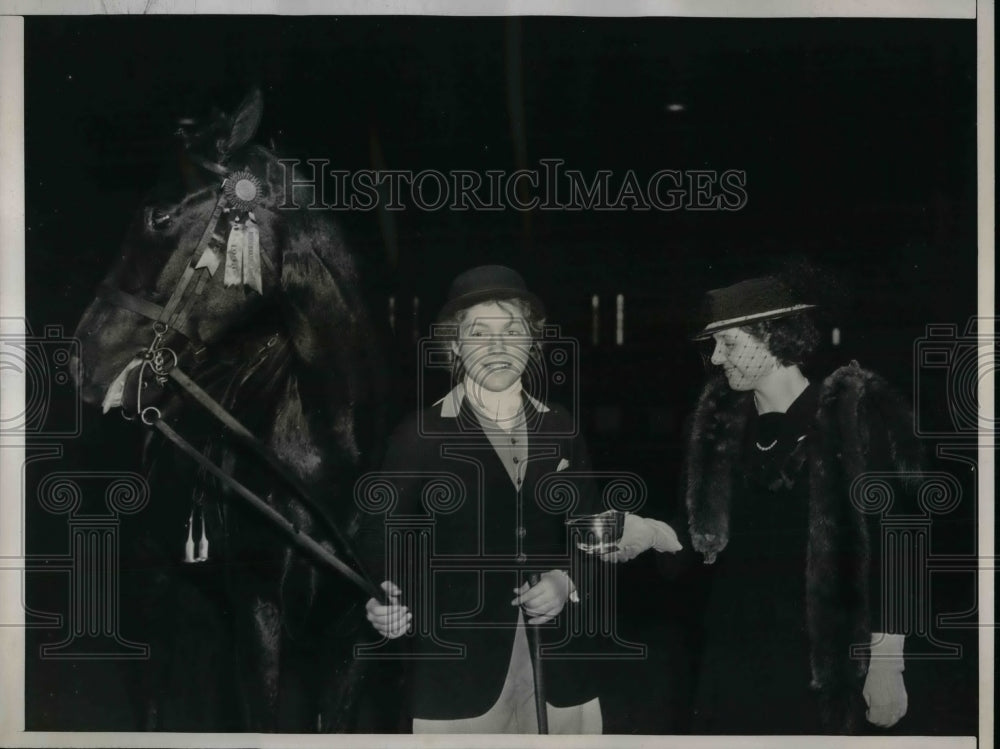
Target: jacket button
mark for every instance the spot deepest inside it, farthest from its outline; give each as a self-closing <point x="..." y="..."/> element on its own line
<point x="521" y="558"/>
<point x="516" y="460"/>
<point x="521" y="531"/>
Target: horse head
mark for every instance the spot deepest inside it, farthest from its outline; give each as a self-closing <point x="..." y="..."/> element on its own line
<point x="153" y="289"/>
<point x="213" y="244"/>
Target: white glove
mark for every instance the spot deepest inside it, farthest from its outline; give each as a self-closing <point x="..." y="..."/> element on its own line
<point x="884" y="691"/>
<point x="545" y="599"/>
<point x="641" y="534"/>
<point x="391" y="620"/>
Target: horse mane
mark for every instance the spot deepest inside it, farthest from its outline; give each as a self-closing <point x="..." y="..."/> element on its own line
<point x="338" y="346"/>
<point x="323" y="302"/>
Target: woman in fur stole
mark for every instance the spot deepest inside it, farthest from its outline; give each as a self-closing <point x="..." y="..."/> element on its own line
<point x="797" y="635"/>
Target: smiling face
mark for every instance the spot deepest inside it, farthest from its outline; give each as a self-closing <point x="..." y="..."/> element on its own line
<point x="494" y="343"/>
<point x="745" y="359"/>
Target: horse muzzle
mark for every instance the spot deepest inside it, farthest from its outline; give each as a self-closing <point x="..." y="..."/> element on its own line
<point x="115" y="395"/>
<point x="76" y="370"/>
<point x="136" y="387"/>
<point x="91" y="391"/>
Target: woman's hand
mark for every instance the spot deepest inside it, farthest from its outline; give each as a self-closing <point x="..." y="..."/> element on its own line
<point x="885" y="694"/>
<point x="884" y="690"/>
<point x="544" y="600"/>
<point x="641" y="534"/>
<point x="391" y="620"/>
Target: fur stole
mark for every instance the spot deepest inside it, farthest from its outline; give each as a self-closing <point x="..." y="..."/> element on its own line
<point x="860" y="425"/>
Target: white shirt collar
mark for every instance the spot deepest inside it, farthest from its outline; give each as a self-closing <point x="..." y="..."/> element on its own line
<point x="452" y="402"/>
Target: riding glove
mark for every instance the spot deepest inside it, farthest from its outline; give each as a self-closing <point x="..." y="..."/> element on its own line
<point x="641" y="534"/>
<point x="884" y="691"/>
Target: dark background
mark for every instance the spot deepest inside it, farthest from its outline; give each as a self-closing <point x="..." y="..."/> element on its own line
<point x="857" y="138"/>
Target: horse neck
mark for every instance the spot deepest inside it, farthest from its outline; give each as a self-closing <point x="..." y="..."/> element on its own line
<point x="247" y="372"/>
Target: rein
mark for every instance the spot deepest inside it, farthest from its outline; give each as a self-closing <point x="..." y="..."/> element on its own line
<point x="163" y="362"/>
<point x="301" y="539"/>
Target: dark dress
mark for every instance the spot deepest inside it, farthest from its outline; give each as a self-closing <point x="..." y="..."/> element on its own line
<point x="775" y="625"/>
<point x="754" y="675"/>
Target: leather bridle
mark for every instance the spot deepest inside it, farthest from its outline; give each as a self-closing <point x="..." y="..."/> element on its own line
<point x="163" y="362"/>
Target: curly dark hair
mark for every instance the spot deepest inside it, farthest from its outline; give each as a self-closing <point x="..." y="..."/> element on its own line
<point x="790" y="339"/>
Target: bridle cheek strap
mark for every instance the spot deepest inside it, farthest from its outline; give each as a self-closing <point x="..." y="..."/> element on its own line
<point x="144" y="308"/>
<point x="175" y="313"/>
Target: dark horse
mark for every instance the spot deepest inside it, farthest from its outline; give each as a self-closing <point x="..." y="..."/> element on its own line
<point x="228" y="603"/>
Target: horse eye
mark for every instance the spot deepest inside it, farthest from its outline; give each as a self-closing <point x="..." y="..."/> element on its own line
<point x="157" y="219"/>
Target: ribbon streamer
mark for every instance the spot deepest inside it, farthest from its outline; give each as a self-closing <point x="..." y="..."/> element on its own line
<point x="210" y="260"/>
<point x="236" y="249"/>
<point x="243" y="255"/>
<point x="251" y="256"/>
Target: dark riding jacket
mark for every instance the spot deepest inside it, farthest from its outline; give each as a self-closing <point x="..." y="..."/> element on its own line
<point x="458" y="537"/>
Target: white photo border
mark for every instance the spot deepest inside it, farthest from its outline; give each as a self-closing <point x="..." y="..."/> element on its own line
<point x="12" y="298"/>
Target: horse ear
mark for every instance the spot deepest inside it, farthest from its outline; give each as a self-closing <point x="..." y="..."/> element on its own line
<point x="245" y="121"/>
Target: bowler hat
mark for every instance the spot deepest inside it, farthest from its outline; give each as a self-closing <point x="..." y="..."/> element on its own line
<point x="746" y="302"/>
<point x="487" y="283"/>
